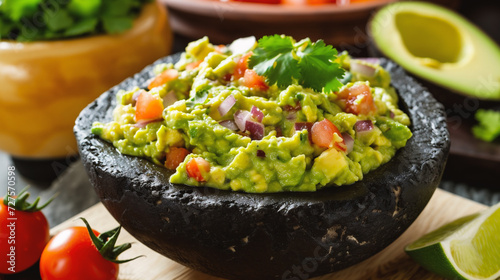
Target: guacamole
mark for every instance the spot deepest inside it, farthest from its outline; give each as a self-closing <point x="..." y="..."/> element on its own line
<point x="218" y="123"/>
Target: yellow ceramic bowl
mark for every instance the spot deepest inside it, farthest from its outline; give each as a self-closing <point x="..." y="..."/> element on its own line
<point x="46" y="84"/>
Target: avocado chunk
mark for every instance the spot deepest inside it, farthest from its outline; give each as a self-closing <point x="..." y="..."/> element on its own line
<point x="440" y="46"/>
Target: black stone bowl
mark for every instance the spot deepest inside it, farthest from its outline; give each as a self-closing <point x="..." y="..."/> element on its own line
<point x="269" y="236"/>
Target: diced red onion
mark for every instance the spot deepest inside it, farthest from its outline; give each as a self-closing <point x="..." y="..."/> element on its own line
<point x="299" y="126"/>
<point x="372" y="60"/>
<point x="363" y="126"/>
<point x="229" y="124"/>
<point x="261" y="153"/>
<point x="303" y="125"/>
<point x="392" y="115"/>
<point x="256" y="129"/>
<point x="290" y="108"/>
<point x="349" y="142"/>
<point x="169" y="99"/>
<point x="136" y="95"/>
<point x="292" y="116"/>
<point x="240" y="118"/>
<point x="257" y="113"/>
<point x="143" y="123"/>
<point x="226" y="105"/>
<point x="365" y="70"/>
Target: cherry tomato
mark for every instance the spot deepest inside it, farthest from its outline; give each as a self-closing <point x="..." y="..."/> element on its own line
<point x="325" y="134"/>
<point x="23" y="236"/>
<point x="357" y="100"/>
<point x="197" y="167"/>
<point x="163" y="78"/>
<point x="71" y="255"/>
<point x="148" y="107"/>
<point x="175" y="156"/>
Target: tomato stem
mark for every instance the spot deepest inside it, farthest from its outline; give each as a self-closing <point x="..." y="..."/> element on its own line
<point x="21" y="203"/>
<point x="105" y="244"/>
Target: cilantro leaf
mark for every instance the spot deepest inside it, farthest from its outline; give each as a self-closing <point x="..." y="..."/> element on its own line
<point x="58" y="20"/>
<point x="317" y="68"/>
<point x="33" y="20"/>
<point x="488" y="127"/>
<point x="114" y="25"/>
<point x="282" y="61"/>
<point x="274" y="60"/>
<point x="16" y="9"/>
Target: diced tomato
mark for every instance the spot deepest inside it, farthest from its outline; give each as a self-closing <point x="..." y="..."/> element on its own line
<point x="175" y="156"/>
<point x="193" y="65"/>
<point x="163" y="78"/>
<point x="221" y="48"/>
<point x="148" y="107"/>
<point x="197" y="167"/>
<point x="253" y="80"/>
<point x="357" y="100"/>
<point x="325" y="134"/>
<point x="241" y="66"/>
<point x="250" y="78"/>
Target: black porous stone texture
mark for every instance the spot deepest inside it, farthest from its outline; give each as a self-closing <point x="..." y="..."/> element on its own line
<point x="269" y="236"/>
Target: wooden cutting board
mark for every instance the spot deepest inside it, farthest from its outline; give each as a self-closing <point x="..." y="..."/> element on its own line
<point x="390" y="264"/>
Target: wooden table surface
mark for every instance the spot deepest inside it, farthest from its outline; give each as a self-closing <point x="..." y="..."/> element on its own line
<point x="390" y="264"/>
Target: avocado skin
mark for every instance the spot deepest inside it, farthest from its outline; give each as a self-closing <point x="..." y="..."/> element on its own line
<point x="269" y="236"/>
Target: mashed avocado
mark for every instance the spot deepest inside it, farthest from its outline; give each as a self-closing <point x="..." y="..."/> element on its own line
<point x="220" y="124"/>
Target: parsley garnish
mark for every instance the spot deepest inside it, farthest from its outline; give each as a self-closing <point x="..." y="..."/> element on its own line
<point x="282" y="61"/>
<point x="35" y="20"/>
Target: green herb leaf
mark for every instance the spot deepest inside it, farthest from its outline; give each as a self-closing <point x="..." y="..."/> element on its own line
<point x="282" y="61"/>
<point x="318" y="69"/>
<point x="58" y="20"/>
<point x="16" y="9"/>
<point x="488" y="128"/>
<point x="84" y="8"/>
<point x="82" y="27"/>
<point x="115" y="25"/>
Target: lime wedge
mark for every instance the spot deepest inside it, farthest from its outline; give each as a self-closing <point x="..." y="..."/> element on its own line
<point x="467" y="248"/>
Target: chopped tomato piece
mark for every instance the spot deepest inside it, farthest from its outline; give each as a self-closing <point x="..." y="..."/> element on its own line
<point x="163" y="78"/>
<point x="175" y="156"/>
<point x="357" y="100"/>
<point x="221" y="48"/>
<point x="241" y="66"/>
<point x="193" y="65"/>
<point x="148" y="107"/>
<point x="197" y="167"/>
<point x="253" y="80"/>
<point x="250" y="78"/>
<point x="325" y="134"/>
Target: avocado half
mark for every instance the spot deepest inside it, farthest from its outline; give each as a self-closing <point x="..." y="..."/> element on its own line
<point x="440" y="46"/>
<point x="269" y="236"/>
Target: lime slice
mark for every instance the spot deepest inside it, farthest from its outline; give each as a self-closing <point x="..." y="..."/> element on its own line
<point x="468" y="248"/>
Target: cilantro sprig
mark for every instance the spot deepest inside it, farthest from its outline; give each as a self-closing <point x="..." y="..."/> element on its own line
<point x="282" y="61"/>
<point x="36" y="20"/>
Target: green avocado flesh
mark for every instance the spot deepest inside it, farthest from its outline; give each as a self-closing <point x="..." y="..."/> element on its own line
<point x="440" y="46"/>
<point x="289" y="154"/>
